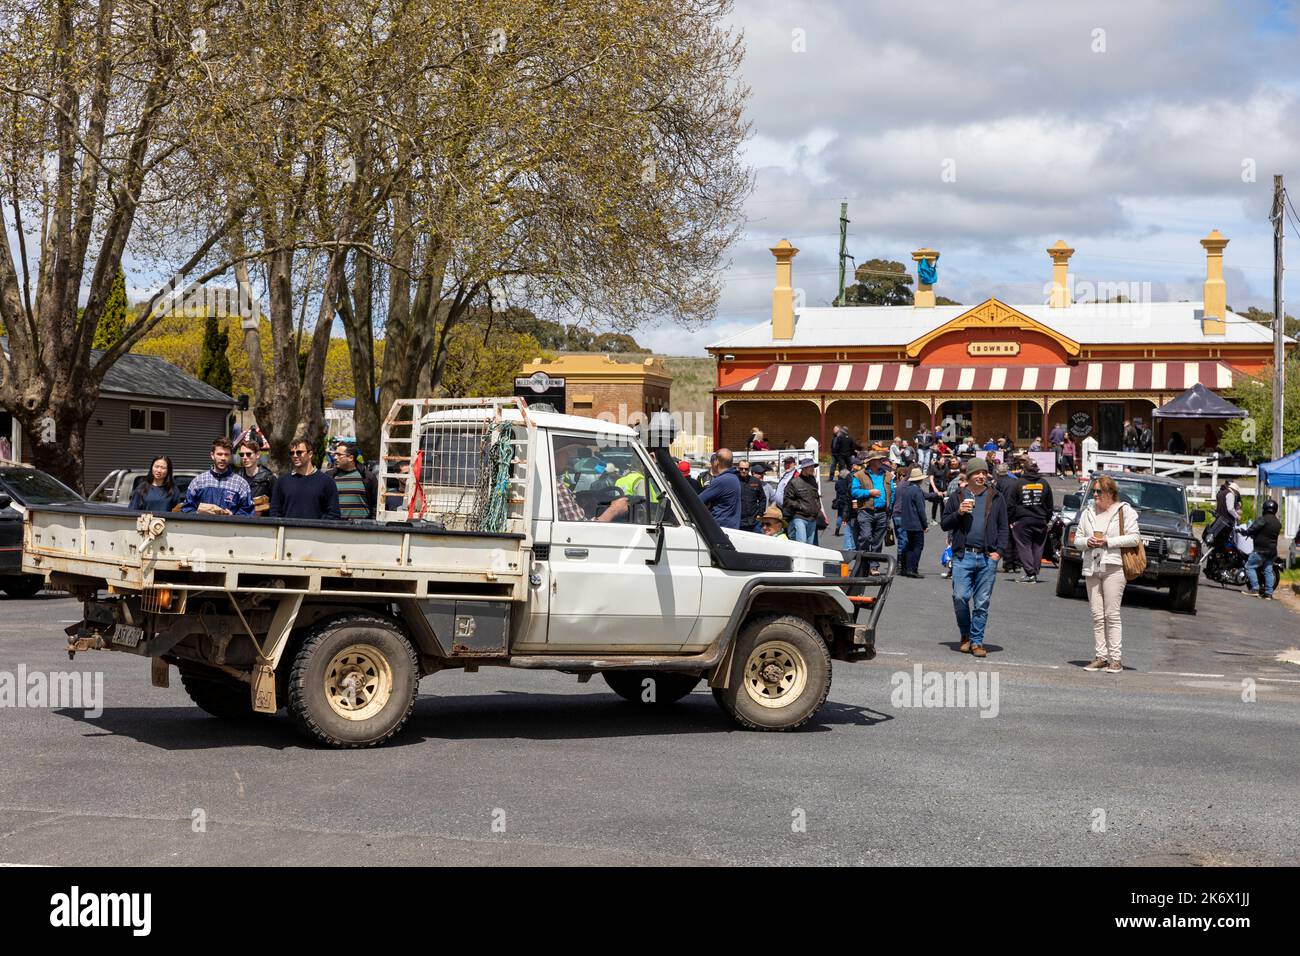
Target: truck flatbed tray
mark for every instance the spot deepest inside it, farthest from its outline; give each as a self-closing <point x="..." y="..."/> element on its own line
<point x="413" y="527"/>
<point x="104" y="546"/>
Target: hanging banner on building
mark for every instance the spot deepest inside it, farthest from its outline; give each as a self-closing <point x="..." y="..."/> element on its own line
<point x="541" y="389"/>
<point x="1080" y="424"/>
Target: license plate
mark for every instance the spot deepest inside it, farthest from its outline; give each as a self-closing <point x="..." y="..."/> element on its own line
<point x="127" y="636"/>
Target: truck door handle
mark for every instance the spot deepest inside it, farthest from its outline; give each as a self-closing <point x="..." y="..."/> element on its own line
<point x="575" y="552"/>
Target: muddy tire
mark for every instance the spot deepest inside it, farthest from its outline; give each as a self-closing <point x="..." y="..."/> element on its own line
<point x="227" y="699"/>
<point x="667" y="688"/>
<point x="780" y="674"/>
<point x="353" y="681"/>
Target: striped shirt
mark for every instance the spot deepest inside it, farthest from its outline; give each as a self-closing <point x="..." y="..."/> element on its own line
<point x="354" y="501"/>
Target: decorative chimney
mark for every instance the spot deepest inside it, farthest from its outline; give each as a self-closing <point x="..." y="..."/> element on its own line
<point x="924" y="298"/>
<point x="1060" y="253"/>
<point x="1213" y="320"/>
<point x="783" y="293"/>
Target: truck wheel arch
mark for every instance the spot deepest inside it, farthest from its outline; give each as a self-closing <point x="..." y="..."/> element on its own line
<point x="813" y="604"/>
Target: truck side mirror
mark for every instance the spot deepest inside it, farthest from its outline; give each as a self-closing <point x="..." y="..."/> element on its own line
<point x="1072" y="501"/>
<point x="5" y="501"/>
<point x="1198" y="516"/>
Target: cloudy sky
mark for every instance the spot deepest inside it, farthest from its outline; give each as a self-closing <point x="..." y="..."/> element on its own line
<point x="1129" y="129"/>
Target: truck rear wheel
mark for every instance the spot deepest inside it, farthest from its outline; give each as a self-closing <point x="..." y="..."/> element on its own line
<point x="353" y="681"/>
<point x="663" y="689"/>
<point x="227" y="699"/>
<point x="780" y="674"/>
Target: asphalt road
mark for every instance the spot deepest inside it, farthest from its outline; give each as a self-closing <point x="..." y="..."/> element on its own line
<point x="515" y="767"/>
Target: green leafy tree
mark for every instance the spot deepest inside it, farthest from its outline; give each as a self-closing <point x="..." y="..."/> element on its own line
<point x="214" y="365"/>
<point x="880" y="282"/>
<point x="112" y="324"/>
<point x="1252" y="436"/>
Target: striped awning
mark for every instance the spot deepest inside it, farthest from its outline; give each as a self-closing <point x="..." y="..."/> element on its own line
<point x="1034" y="379"/>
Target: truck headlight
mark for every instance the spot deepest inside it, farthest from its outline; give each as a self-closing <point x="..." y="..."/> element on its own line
<point x="1177" y="547"/>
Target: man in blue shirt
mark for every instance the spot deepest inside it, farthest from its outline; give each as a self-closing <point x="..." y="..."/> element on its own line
<point x="872" y="491"/>
<point x="723" y="492"/>
<point x="220" y="490"/>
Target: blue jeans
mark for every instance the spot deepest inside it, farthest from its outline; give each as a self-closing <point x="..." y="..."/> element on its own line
<point x="804" y="529"/>
<point x="900" y="538"/>
<point x="1253" y="563"/>
<point x="973" y="576"/>
<point x="850" y="542"/>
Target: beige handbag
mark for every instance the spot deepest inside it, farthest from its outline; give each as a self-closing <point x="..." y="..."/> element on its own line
<point x="1134" y="558"/>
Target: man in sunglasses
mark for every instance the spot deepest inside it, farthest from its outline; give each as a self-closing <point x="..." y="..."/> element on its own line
<point x="306" y="492"/>
<point x="261" y="480"/>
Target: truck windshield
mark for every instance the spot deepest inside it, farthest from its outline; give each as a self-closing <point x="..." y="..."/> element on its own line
<point x="31" y="487"/>
<point x="1150" y="496"/>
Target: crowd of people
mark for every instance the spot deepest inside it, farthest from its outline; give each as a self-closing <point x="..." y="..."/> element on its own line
<point x="248" y="487"/>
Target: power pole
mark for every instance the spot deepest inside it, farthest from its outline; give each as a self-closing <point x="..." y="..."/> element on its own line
<point x="844" y="252"/>
<point x="1279" y="313"/>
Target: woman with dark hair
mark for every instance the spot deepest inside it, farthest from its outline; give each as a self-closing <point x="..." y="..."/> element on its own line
<point x="157" y="492"/>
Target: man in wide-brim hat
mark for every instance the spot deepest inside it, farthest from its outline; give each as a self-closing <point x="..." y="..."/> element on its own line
<point x="872" y="491"/>
<point x="773" y="522"/>
<point x="911" y="524"/>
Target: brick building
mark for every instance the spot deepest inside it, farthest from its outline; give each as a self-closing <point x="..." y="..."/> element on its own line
<point x="989" y="369"/>
<point x="598" y="385"/>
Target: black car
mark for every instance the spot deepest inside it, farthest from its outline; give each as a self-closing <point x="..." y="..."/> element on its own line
<point x="23" y="487"/>
<point x="1173" y="551"/>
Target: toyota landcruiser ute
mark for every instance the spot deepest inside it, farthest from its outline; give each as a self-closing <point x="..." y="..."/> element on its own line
<point x="503" y="553"/>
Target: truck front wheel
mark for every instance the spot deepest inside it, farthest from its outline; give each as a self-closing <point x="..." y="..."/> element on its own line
<point x="780" y="674"/>
<point x="353" y="681"/>
<point x="650" y="687"/>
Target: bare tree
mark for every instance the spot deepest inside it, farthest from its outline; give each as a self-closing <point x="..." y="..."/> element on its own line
<point x="91" y="95"/>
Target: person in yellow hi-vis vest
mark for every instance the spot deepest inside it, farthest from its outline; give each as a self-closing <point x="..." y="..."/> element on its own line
<point x="633" y="483"/>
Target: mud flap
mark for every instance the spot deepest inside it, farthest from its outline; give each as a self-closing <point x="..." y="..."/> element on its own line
<point x="263" y="689"/>
<point x="159" y="672"/>
<point x="854" y="642"/>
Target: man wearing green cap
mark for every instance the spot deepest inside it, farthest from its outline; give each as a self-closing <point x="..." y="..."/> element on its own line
<point x="976" y="517"/>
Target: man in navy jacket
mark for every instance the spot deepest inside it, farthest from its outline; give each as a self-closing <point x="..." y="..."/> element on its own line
<point x="912" y="523"/>
<point x="976" y="517"/>
<point x="722" y="495"/>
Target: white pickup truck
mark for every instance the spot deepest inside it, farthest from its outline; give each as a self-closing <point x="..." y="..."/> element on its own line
<point x="516" y="544"/>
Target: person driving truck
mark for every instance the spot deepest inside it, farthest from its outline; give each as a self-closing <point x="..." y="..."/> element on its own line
<point x="566" y="502"/>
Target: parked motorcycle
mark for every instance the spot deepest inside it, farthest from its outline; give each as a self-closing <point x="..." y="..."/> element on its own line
<point x="1224" y="558"/>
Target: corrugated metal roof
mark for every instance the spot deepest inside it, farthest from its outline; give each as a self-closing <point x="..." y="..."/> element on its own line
<point x="1111" y="323"/>
<point x="148" y="375"/>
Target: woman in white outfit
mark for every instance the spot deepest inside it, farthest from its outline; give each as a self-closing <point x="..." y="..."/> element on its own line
<point x="1098" y="537"/>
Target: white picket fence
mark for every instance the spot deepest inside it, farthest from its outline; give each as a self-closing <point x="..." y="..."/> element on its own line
<point x="1204" y="471"/>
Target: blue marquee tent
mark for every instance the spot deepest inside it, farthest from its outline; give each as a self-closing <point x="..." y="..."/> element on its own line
<point x="1283" y="473"/>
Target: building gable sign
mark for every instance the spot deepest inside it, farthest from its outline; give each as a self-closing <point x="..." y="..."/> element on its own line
<point x="992" y="315"/>
<point x="992" y="348"/>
